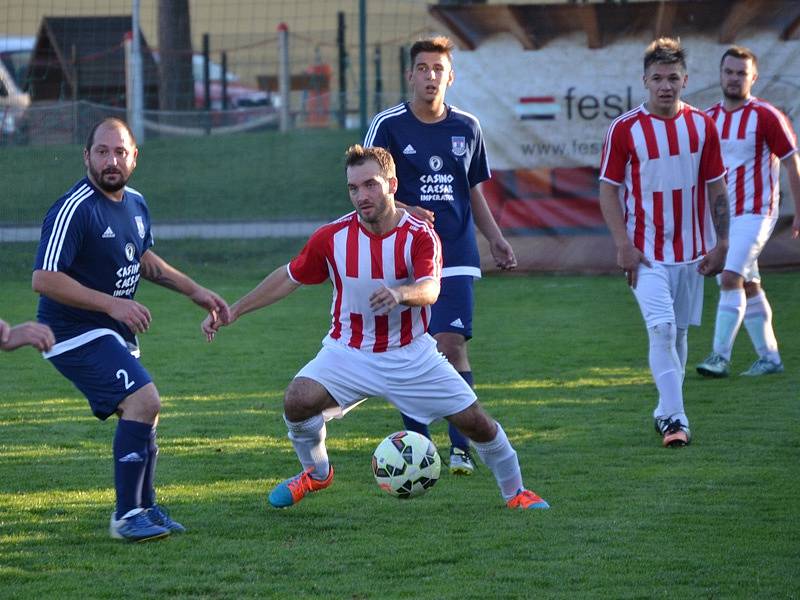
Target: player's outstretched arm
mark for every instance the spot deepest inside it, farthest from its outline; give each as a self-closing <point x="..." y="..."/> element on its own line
<point x="714" y="261"/>
<point x="159" y="271"/>
<point x="628" y="256"/>
<point x="792" y="164"/>
<point x="66" y="290"/>
<point x="420" y="293"/>
<point x="275" y="286"/>
<point x="31" y="333"/>
<point x="501" y="250"/>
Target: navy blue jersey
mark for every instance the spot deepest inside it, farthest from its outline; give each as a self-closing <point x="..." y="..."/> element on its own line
<point x="437" y="166"/>
<point x="99" y="243"/>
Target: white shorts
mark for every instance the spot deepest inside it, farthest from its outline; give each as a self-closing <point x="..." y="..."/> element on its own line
<point x="747" y="237"/>
<point x="670" y="294"/>
<point x="417" y="378"/>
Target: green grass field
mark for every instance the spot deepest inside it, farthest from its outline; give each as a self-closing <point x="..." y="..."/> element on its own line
<point x="560" y="361"/>
<point x="182" y="181"/>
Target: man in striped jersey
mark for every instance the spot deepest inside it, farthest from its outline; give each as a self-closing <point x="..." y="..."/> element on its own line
<point x="663" y="196"/>
<point x="385" y="267"/>
<point x="441" y="162"/>
<point x="95" y="245"/>
<point x="756" y="138"/>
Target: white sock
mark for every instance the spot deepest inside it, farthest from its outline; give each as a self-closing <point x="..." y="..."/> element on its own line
<point x="308" y="439"/>
<point x="758" y="322"/>
<point x="682" y="348"/>
<point x="501" y="459"/>
<point x="667" y="371"/>
<point x="730" y="313"/>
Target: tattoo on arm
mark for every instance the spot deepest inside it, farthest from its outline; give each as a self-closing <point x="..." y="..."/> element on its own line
<point x="720" y="215"/>
<point x="155" y="274"/>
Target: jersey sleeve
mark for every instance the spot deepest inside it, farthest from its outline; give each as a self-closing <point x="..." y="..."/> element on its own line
<point x="311" y="265"/>
<point x="615" y="154"/>
<point x="426" y="254"/>
<point x="62" y="235"/>
<point x="149" y="241"/>
<point x="377" y="134"/>
<point x="779" y="134"/>
<point x="711" y="165"/>
<point x="479" y="165"/>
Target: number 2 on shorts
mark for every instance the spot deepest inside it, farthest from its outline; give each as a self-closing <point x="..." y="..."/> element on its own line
<point x="124" y="374"/>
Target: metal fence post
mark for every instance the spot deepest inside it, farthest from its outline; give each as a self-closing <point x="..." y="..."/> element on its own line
<point x="135" y="76"/>
<point x="283" y="75"/>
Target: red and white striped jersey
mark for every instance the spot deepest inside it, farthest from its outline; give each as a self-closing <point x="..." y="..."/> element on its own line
<point x="755" y="138"/>
<point x="661" y="167"/>
<point x="358" y="262"/>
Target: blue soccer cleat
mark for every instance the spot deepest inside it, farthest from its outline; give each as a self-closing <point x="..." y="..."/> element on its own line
<point x="136" y="528"/>
<point x="159" y="516"/>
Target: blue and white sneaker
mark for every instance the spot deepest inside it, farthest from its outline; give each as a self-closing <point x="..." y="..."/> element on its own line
<point x="159" y="516"/>
<point x="763" y="366"/>
<point x="136" y="528"/>
<point x="714" y="365"/>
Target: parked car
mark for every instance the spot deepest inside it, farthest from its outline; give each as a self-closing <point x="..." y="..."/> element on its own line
<point x="239" y="95"/>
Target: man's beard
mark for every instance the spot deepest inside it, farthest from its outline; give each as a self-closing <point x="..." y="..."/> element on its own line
<point x="105" y="185"/>
<point x="733" y="96"/>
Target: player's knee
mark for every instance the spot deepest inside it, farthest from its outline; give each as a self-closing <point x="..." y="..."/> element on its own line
<point x="730" y="280"/>
<point x="143" y="405"/>
<point x="475" y="423"/>
<point x="454" y="347"/>
<point x="752" y="289"/>
<point x="662" y="335"/>
<point x="302" y="399"/>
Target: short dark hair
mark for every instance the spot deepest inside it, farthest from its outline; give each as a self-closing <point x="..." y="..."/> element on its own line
<point x="357" y="155"/>
<point x="440" y="44"/>
<point x="740" y="52"/>
<point x="665" y="51"/>
<point x="119" y="123"/>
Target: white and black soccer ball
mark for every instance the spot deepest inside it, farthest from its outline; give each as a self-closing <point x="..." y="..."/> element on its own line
<point x="406" y="464"/>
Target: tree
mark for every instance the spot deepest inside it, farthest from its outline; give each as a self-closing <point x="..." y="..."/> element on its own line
<point x="176" y="82"/>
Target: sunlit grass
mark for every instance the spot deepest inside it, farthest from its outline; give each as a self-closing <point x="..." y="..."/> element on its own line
<point x="573" y="394"/>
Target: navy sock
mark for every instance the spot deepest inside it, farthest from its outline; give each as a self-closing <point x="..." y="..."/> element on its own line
<point x="458" y="439"/>
<point x="412" y="425"/>
<point x="130" y="459"/>
<point x="148" y="489"/>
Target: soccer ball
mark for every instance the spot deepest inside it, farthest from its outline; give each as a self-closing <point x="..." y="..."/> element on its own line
<point x="406" y="464"/>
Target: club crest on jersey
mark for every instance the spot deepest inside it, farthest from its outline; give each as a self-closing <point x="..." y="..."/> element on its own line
<point x="435" y="163"/>
<point x="139" y="225"/>
<point x="130" y="251"/>
<point x="459" y="145"/>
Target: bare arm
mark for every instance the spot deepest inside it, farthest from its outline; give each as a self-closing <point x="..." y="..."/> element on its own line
<point x="501" y="250"/>
<point x="66" y="290"/>
<point x="31" y="333"/>
<point x="628" y="256"/>
<point x="156" y="269"/>
<point x="714" y="261"/>
<point x="792" y="164"/>
<point x="420" y="293"/>
<point x="275" y="286"/>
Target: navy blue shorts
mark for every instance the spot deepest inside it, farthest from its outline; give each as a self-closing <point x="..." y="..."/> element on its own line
<point x="104" y="371"/>
<point x="452" y="312"/>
